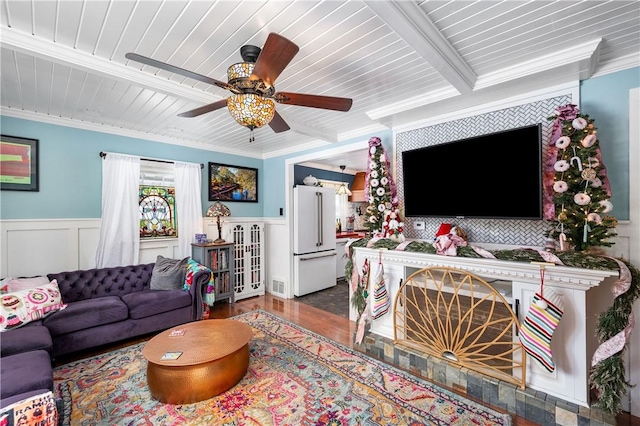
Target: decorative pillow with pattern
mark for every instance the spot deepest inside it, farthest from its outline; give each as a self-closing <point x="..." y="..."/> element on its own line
<point x="38" y="410"/>
<point x="21" y="307"/>
<point x="193" y="268"/>
<point x="18" y="284"/>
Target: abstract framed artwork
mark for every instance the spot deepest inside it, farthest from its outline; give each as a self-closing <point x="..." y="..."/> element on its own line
<point x="18" y="163"/>
<point x="233" y="183"/>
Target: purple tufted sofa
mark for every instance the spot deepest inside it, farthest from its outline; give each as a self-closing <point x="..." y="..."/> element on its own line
<point x="103" y="306"/>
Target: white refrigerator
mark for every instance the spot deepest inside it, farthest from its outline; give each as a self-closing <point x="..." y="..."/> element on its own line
<point x="314" y="239"/>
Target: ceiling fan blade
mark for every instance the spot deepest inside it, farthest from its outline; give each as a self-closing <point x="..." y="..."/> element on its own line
<point x="204" y="109"/>
<point x="278" y="124"/>
<point x="274" y="57"/>
<point x="178" y="70"/>
<point x="313" y="101"/>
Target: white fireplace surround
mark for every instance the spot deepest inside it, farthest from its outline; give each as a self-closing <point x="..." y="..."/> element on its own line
<point x="586" y="293"/>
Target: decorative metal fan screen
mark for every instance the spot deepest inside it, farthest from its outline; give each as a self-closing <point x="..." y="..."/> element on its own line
<point x="457" y="316"/>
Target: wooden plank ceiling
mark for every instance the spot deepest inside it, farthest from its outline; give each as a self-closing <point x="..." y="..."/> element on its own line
<point x="64" y="61"/>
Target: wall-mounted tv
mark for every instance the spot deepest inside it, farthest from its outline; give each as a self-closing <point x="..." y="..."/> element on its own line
<point x="497" y="175"/>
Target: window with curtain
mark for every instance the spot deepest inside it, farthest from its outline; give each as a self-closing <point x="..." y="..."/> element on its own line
<point x="157" y="200"/>
<point x="140" y="195"/>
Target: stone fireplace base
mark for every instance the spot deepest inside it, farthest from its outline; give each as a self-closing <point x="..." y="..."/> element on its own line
<point x="529" y="404"/>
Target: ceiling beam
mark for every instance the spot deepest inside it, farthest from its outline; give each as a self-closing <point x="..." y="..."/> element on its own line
<point x="412" y="24"/>
<point x="76" y="59"/>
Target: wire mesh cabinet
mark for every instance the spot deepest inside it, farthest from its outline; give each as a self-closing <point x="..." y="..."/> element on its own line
<point x="248" y="238"/>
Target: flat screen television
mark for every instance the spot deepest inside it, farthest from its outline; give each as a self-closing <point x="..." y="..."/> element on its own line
<point x="497" y="175"/>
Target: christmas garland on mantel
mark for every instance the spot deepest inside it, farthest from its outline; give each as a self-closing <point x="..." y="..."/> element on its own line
<point x="607" y="377"/>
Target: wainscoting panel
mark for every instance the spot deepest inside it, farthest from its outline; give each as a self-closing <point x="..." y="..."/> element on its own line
<point x="44" y="246"/>
<point x="88" y="239"/>
<point x="278" y="255"/>
<point x="150" y="250"/>
<point x="39" y="247"/>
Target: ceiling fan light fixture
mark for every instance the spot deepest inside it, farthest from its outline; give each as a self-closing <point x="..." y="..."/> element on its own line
<point x="239" y="70"/>
<point x="251" y="110"/>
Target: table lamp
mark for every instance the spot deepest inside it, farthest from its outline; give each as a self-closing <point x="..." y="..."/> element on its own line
<point x="217" y="210"/>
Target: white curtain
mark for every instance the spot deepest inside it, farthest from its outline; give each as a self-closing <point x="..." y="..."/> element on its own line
<point x="188" y="204"/>
<point x="119" y="243"/>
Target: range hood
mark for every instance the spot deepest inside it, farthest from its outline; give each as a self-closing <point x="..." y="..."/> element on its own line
<point x="357" y="189"/>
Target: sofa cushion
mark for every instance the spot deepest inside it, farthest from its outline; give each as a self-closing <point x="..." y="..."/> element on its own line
<point x="21" y="307"/>
<point x="37" y="409"/>
<point x="151" y="302"/>
<point x="86" y="314"/>
<point x="26" y="339"/>
<point x="25" y="372"/>
<point x="168" y="274"/>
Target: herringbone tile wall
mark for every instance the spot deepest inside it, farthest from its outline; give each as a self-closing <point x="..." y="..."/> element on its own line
<point x="495" y="231"/>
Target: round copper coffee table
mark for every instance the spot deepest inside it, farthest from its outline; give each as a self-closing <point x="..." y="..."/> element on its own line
<point x="215" y="356"/>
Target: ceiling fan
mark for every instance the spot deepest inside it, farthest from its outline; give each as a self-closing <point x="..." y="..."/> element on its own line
<point x="251" y="83"/>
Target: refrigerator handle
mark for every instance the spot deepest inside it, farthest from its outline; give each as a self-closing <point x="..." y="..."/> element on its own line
<point x="320" y="219"/>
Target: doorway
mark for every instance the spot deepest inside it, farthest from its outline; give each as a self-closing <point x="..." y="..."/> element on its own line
<point x="334" y="299"/>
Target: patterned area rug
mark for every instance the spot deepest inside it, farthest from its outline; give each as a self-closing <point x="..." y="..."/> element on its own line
<point x="295" y="377"/>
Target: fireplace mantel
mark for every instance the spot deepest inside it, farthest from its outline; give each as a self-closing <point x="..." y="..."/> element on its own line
<point x="586" y="293"/>
<point x="555" y="275"/>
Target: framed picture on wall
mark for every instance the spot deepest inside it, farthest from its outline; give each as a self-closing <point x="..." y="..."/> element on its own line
<point x="18" y="163"/>
<point x="233" y="183"/>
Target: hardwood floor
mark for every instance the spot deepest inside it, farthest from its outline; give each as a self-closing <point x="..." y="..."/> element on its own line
<point x="332" y="326"/>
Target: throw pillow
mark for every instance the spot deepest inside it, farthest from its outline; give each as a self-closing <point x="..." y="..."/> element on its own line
<point x="19" y="284"/>
<point x="37" y="410"/>
<point x="21" y="307"/>
<point x="208" y="293"/>
<point x="168" y="274"/>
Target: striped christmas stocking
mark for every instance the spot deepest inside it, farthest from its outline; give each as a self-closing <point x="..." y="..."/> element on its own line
<point x="381" y="300"/>
<point x="539" y="325"/>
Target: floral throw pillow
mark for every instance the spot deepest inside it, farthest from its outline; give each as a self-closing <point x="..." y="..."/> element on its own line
<point x="21" y="307"/>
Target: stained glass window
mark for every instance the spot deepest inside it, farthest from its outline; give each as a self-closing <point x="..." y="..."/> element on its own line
<point x="157" y="211"/>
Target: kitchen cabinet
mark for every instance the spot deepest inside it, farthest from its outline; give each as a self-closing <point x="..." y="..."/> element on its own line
<point x="357" y="188"/>
<point x="248" y="238"/>
<point x="220" y="259"/>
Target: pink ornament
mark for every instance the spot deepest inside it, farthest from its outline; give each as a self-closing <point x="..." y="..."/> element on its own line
<point x="579" y="123"/>
<point x="560" y="186"/>
<point x="589" y="140"/>
<point x="582" y="199"/>
<point x="606" y="206"/>
<point x="561" y="166"/>
<point x="594" y="217"/>
<point x="563" y="142"/>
